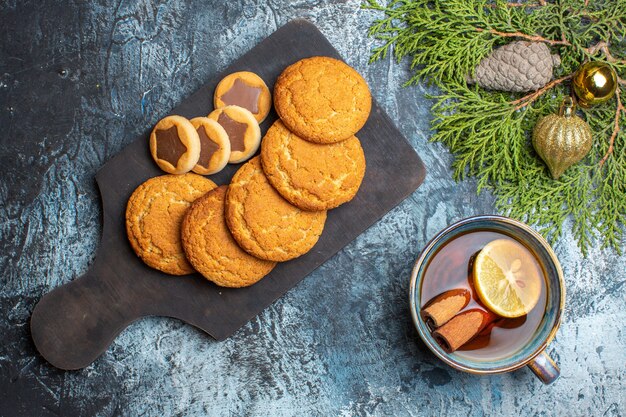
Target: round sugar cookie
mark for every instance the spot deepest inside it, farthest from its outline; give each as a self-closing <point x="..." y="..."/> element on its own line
<point x="242" y="129"/>
<point x="211" y="249"/>
<point x="154" y="215"/>
<point x="175" y="145"/>
<point x="214" y="146"/>
<point x="310" y="175"/>
<point x="322" y="99"/>
<point x="263" y="223"/>
<point x="244" y="89"/>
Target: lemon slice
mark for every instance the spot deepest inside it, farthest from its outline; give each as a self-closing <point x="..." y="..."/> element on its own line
<point x="507" y="278"/>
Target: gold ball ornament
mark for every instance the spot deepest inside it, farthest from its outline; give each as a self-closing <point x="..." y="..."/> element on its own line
<point x="562" y="139"/>
<point x="594" y="83"/>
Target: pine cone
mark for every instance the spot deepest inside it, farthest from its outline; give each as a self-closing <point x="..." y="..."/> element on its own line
<point x="518" y="66"/>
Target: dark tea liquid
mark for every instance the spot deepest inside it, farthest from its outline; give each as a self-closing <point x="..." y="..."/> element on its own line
<point x="450" y="268"/>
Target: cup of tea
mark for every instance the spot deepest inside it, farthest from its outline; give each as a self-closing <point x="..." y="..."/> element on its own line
<point x="487" y="295"/>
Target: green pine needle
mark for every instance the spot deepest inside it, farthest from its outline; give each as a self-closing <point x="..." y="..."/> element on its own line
<point x="489" y="135"/>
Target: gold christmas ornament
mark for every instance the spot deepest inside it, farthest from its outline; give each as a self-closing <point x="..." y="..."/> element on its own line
<point x="594" y="83"/>
<point x="562" y="139"/>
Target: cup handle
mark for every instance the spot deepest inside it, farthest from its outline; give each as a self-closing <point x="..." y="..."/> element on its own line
<point x="544" y="367"/>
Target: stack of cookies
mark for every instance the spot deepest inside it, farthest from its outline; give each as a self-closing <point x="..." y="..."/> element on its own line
<point x="275" y="207"/>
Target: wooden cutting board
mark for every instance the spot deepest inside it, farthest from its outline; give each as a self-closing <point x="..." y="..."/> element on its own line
<point x="75" y="323"/>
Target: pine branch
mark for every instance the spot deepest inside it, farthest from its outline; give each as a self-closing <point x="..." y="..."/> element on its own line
<point x="538" y="4"/>
<point x="489" y="132"/>
<point x="604" y="48"/>
<point x="534" y="38"/>
<point x="616" y="128"/>
<point x="530" y="98"/>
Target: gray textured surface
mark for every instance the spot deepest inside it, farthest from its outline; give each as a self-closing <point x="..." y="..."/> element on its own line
<point x="79" y="80"/>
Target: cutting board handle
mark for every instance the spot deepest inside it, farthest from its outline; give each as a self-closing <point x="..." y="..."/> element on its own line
<point x="75" y="323"/>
